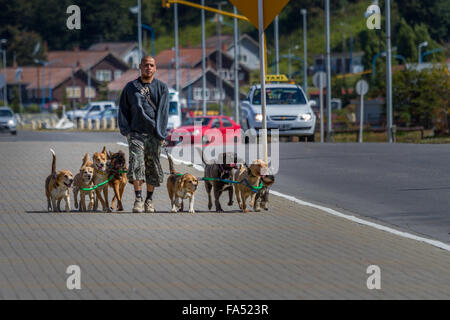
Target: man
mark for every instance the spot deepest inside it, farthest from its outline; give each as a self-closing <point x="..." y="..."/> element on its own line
<point x="143" y="115"/>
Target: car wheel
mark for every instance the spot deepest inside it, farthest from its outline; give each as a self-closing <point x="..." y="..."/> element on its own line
<point x="310" y="138"/>
<point x="14" y="133"/>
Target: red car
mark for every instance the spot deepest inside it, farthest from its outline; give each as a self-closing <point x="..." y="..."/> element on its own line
<point x="206" y="132"/>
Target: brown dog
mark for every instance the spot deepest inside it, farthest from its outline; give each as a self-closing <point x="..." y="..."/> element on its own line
<point x="262" y="197"/>
<point x="180" y="187"/>
<point x="57" y="187"/>
<point x="84" y="180"/>
<point x="248" y="176"/>
<point x="101" y="175"/>
<point x="117" y="168"/>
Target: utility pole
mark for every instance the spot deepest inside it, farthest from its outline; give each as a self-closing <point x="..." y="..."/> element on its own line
<point x="219" y="31"/>
<point x="139" y="30"/>
<point x="277" y="49"/>
<point x="305" y="53"/>
<point x="177" y="52"/>
<point x="203" y="60"/>
<point x="290" y="63"/>
<point x="389" y="69"/>
<point x="5" y="98"/>
<point x="236" y="69"/>
<point x="327" y="9"/>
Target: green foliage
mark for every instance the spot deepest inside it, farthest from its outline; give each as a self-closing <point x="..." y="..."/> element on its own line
<point x="424" y="96"/>
<point x="33" y="108"/>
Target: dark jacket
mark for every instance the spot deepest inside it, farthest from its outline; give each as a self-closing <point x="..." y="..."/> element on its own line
<point x="137" y="115"/>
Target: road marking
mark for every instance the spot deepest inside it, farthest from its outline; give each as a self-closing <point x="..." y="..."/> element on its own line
<point x="333" y="212"/>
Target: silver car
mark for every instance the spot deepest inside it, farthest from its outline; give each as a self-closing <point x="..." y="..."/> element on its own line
<point x="8" y="121"/>
<point x="287" y="108"/>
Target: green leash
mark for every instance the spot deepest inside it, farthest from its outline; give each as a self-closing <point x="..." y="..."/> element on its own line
<point x="103" y="183"/>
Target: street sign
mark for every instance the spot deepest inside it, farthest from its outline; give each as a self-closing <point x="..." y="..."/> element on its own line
<point x="320" y="79"/>
<point x="276" y="78"/>
<point x="362" y="87"/>
<point x="2" y="81"/>
<point x="249" y="8"/>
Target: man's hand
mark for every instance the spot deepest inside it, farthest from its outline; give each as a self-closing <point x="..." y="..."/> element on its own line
<point x="163" y="143"/>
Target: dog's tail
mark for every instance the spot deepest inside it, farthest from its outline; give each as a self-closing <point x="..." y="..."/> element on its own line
<point x="200" y="150"/>
<point x="171" y="167"/>
<point x="54" y="161"/>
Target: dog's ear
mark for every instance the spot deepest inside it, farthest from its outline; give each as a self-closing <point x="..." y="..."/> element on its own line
<point x="183" y="180"/>
<point x="109" y="156"/>
<point x="104" y="150"/>
<point x="85" y="160"/>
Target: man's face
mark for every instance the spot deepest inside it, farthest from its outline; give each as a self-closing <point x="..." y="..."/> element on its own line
<point x="148" y="67"/>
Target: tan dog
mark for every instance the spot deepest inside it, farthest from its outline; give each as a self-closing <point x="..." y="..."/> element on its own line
<point x="181" y="187"/>
<point x="101" y="175"/>
<point x="117" y="169"/>
<point x="248" y="176"/>
<point x="57" y="187"/>
<point x="84" y="179"/>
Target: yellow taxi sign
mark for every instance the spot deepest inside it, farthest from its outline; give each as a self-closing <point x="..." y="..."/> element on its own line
<point x="276" y="78"/>
<point x="249" y="8"/>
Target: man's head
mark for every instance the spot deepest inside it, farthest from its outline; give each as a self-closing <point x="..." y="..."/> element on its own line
<point x="148" y="68"/>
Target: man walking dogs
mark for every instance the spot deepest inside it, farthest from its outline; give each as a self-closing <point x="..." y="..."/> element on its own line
<point x="143" y="115"/>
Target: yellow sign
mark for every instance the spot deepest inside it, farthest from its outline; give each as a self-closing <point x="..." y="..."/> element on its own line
<point x="276" y="78"/>
<point x="249" y="8"/>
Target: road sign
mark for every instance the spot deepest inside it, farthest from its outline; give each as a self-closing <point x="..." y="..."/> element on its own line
<point x="276" y="78"/>
<point x="249" y="8"/>
<point x="2" y="81"/>
<point x="320" y="80"/>
<point x="362" y="87"/>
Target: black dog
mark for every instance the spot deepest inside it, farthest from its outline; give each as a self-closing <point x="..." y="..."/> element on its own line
<point x="221" y="170"/>
<point x="262" y="197"/>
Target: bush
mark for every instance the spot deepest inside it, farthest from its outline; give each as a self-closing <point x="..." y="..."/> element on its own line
<point x="33" y="108"/>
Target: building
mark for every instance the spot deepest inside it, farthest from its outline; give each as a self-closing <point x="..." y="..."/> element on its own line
<point x="340" y="63"/>
<point x="127" y="51"/>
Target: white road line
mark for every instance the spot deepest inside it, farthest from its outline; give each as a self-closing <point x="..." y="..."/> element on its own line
<point x="333" y="212"/>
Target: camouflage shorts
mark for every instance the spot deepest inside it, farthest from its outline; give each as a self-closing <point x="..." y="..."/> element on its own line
<point x="144" y="162"/>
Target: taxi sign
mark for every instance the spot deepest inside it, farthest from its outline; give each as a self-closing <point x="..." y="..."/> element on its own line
<point x="276" y="78"/>
<point x="249" y="8"/>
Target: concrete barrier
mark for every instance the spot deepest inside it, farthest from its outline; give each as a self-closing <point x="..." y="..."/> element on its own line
<point x="88" y="125"/>
<point x="96" y="124"/>
<point x="112" y="124"/>
<point x="81" y="124"/>
<point x="104" y="124"/>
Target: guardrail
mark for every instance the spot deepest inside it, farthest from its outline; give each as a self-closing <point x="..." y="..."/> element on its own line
<point x="395" y="129"/>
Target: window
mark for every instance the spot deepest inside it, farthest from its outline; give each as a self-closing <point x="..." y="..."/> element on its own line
<point x="226" y="123"/>
<point x="95" y="108"/>
<point x="243" y="58"/>
<point x="173" y="108"/>
<point x="89" y="92"/>
<point x="103" y="75"/>
<point x="215" y="124"/>
<point x="280" y="96"/>
<point x="203" y="121"/>
<point x="218" y="95"/>
<point x="198" y="94"/>
<point x="117" y="74"/>
<point x="73" y="92"/>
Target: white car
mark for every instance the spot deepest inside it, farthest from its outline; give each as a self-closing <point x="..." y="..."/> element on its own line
<point x="91" y="109"/>
<point x="174" y="120"/>
<point x="287" y="108"/>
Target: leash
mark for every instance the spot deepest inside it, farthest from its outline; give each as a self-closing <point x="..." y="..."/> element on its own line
<point x="102" y="183"/>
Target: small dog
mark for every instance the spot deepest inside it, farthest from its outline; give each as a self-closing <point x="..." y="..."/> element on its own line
<point x="223" y="170"/>
<point x="180" y="187"/>
<point x="248" y="176"/>
<point x="101" y="175"/>
<point x="57" y="187"/>
<point x="84" y="179"/>
<point x="262" y="197"/>
<point x="117" y="163"/>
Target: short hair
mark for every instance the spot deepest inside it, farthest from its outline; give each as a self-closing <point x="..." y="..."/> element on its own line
<point x="147" y="57"/>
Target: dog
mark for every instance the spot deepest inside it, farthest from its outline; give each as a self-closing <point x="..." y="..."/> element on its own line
<point x="57" y="186"/>
<point x="248" y="176"/>
<point x="262" y="197"/>
<point x="101" y="175"/>
<point x="223" y="170"/>
<point x="84" y="180"/>
<point x="117" y="169"/>
<point x="180" y="187"/>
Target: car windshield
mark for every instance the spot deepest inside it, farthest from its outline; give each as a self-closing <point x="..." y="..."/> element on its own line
<point x="280" y="96"/>
<point x="6" y="113"/>
<point x="190" y="121"/>
<point x="173" y="107"/>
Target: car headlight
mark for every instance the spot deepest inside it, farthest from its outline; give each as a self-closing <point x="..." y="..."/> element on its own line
<point x="258" y="117"/>
<point x="195" y="132"/>
<point x="305" y="116"/>
<point x="11" y="122"/>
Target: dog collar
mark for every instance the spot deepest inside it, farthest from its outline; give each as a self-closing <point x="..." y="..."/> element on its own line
<point x="100" y="172"/>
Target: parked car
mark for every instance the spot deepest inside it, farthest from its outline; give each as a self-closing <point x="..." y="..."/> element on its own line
<point x="91" y="109"/>
<point x="108" y="114"/>
<point x="202" y="134"/>
<point x="8" y="120"/>
<point x="287" y="109"/>
<point x="175" y="116"/>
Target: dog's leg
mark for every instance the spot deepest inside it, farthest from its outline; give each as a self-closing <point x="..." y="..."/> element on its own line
<point x="75" y="197"/>
<point x="265" y="202"/>
<point x="105" y="193"/>
<point x="256" y="203"/>
<point x="49" y="204"/>
<point x="54" y="206"/>
<point x="82" y="201"/>
<point x="95" y="201"/>
<point x="116" y="196"/>
<point x="91" y="200"/>
<point x="58" y="205"/>
<point x="230" y="196"/>
<point x="99" y="198"/>
<point x="238" y="198"/>
<point x="244" y="202"/>
<point x="191" y="204"/>
<point x="67" y="199"/>
<point x="217" y="194"/>
<point x="174" y="202"/>
<point x="208" y="187"/>
<point x="121" y="189"/>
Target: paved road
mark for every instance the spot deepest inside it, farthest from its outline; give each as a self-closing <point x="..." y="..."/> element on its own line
<point x="289" y="252"/>
<point x="402" y="185"/>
